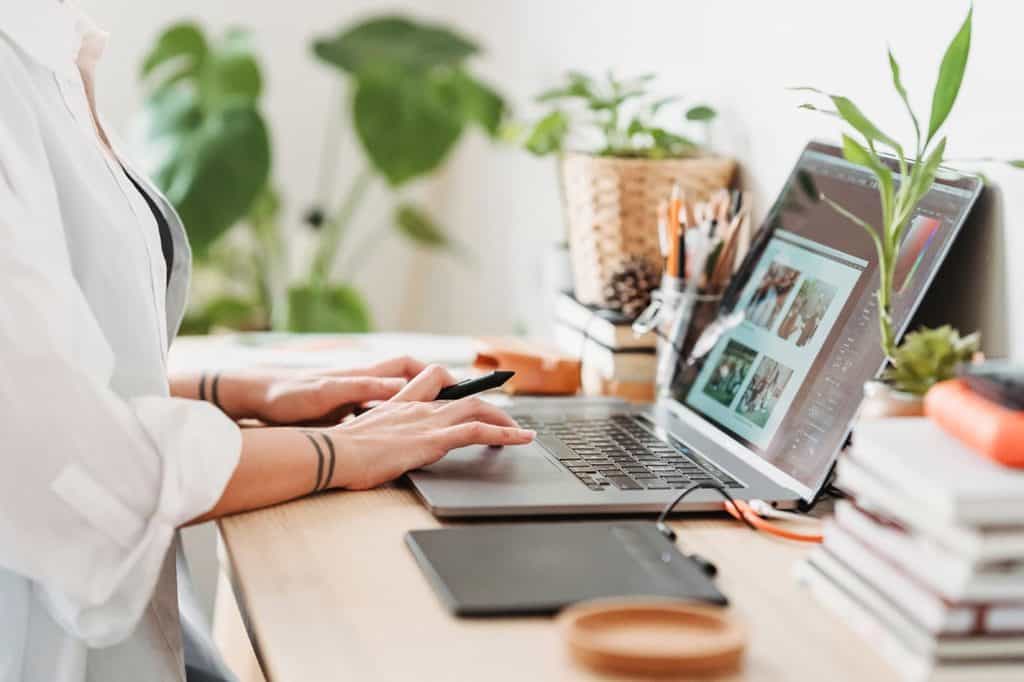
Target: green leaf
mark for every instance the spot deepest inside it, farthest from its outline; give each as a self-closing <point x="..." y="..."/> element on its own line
<point x="850" y="113"/>
<point x="856" y="118"/>
<point x="856" y="153"/>
<point x="217" y="173"/>
<point x="549" y="134"/>
<point x="393" y="43"/>
<point x="184" y="42"/>
<point x="580" y="85"/>
<point x="951" y="75"/>
<point x="922" y="178"/>
<point x="206" y="144"/>
<point x="479" y="102"/>
<point x="898" y="84"/>
<point x="701" y="112"/>
<point x="416" y="225"/>
<point x="406" y="126"/>
<point x="659" y="104"/>
<point x="337" y="309"/>
<point x="1016" y="163"/>
<point x="811" y="107"/>
<point x="233" y="71"/>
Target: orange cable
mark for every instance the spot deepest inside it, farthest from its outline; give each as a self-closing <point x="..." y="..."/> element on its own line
<point x="760" y="524"/>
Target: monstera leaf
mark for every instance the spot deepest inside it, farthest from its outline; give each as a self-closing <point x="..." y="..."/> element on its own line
<point x="413" y="96"/>
<point x="206" y="142"/>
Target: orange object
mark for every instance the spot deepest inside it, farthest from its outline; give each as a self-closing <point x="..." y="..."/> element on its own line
<point x="539" y="371"/>
<point x="633" y="391"/>
<point x="640" y="637"/>
<point x="986" y="427"/>
<point x="741" y="510"/>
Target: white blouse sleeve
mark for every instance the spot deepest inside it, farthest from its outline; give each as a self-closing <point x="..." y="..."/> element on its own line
<point x="92" y="486"/>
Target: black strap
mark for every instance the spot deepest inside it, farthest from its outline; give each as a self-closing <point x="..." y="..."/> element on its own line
<point x="166" y="243"/>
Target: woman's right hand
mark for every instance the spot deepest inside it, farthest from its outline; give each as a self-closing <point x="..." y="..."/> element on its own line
<point x="412" y="430"/>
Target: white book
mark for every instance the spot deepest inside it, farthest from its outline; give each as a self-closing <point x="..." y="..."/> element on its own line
<point x="913" y="659"/>
<point x="936" y="470"/>
<point x="631" y="365"/>
<point x="612" y="332"/>
<point x="978" y="545"/>
<point x="943" y="571"/>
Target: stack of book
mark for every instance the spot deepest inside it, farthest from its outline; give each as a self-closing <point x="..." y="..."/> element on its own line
<point x="926" y="560"/>
<point x="613" y="360"/>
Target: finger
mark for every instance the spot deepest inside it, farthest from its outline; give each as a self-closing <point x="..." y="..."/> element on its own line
<point x="478" y="433"/>
<point x="405" y="367"/>
<point x="362" y="389"/>
<point x="426" y="385"/>
<point x="475" y="409"/>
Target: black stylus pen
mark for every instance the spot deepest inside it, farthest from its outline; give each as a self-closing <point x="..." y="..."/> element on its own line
<point x="474" y="385"/>
<point x="466" y="387"/>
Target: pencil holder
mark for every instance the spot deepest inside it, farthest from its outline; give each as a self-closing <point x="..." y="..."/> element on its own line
<point x="678" y="317"/>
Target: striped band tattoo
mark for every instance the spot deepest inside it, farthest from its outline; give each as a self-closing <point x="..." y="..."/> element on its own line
<point x="319" y="460"/>
<point x="330" y="462"/>
<point x="214" y="397"/>
<point x="202" y="386"/>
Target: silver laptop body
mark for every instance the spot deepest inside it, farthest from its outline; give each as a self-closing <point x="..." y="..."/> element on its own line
<point x="599" y="456"/>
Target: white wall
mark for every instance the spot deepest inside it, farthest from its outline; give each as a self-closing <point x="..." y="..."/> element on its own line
<point x="736" y="54"/>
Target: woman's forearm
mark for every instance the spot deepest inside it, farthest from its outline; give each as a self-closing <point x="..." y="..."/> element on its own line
<point x="277" y="465"/>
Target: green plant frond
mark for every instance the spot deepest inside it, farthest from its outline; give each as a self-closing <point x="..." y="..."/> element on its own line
<point x="810" y="107"/>
<point x="862" y="124"/>
<point x="897" y="83"/>
<point x="919" y="183"/>
<point x="855" y="153"/>
<point x="838" y="208"/>
<point x="951" y="75"/>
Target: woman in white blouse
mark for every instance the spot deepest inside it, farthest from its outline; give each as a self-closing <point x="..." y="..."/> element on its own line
<point x="104" y="456"/>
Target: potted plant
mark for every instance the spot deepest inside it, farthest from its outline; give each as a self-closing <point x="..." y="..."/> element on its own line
<point x="617" y="162"/>
<point x="409" y="96"/>
<point x="929" y="355"/>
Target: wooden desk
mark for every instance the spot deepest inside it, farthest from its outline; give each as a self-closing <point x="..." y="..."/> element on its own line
<point x="331" y="593"/>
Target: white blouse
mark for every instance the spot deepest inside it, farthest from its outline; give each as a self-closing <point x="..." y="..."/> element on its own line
<point x="100" y="465"/>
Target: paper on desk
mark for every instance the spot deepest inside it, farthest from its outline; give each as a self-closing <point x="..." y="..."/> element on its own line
<point x="234" y="351"/>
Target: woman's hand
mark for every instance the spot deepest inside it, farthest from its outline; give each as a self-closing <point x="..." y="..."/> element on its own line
<point x="298" y="396"/>
<point x="412" y="430"/>
<point x="409" y="431"/>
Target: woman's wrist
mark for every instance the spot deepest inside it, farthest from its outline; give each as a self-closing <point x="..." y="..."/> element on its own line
<point x="233" y="393"/>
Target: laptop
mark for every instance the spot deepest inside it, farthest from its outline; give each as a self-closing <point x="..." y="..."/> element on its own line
<point x="766" y="400"/>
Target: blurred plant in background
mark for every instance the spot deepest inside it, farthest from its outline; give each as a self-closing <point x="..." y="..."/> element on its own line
<point x="409" y="98"/>
<point x="614" y="117"/>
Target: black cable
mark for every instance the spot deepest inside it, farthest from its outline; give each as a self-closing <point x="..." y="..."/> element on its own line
<point x="699" y="486"/>
<point x="706" y="565"/>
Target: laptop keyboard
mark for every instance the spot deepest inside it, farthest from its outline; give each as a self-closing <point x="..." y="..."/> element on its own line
<point x="618" y="452"/>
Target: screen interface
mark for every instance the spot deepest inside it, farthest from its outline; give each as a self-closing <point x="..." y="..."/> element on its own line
<point x="783" y="369"/>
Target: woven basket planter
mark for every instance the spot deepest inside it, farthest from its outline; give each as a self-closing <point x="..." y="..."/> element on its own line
<point x="611" y="207"/>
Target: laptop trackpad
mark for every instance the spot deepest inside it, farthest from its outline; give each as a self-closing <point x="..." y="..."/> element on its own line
<point x="508" y="464"/>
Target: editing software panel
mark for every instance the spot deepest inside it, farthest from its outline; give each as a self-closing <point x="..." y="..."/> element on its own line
<point x="785" y="373"/>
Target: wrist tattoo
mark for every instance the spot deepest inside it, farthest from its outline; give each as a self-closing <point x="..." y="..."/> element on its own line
<point x="214" y="396"/>
<point x="330" y="464"/>
<point x="321" y="479"/>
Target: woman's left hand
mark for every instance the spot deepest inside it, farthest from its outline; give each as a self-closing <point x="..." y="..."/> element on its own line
<point x="300" y="396"/>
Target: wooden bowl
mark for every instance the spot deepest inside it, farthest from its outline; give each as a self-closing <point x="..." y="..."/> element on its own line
<point x="653" y="637"/>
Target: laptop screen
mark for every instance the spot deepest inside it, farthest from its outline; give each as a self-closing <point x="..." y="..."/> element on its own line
<point x="783" y="370"/>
